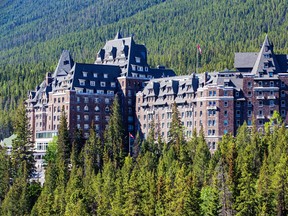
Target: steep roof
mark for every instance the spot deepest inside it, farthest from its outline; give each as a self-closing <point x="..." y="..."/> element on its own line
<point x="266" y="60"/>
<point x="65" y="64"/>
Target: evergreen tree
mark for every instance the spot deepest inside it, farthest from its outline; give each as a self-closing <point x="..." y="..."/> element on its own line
<point x="176" y="133"/>
<point x="265" y="194"/>
<point x="280" y="183"/>
<point x="114" y="136"/>
<point x="22" y="147"/>
<point x="4" y="173"/>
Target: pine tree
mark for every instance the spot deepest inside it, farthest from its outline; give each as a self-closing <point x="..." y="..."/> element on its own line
<point x="114" y="136"/>
<point x="280" y="184"/>
<point x="62" y="163"/>
<point x="17" y="200"/>
<point x="209" y="201"/>
<point x="176" y="133"/>
<point x="22" y="147"/>
<point x="265" y="194"/>
<point x="4" y="173"/>
<point x="201" y="161"/>
<point x="77" y="145"/>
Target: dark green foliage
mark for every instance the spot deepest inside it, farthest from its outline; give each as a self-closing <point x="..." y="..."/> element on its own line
<point x="114" y="136"/>
<point x="239" y="178"/>
<point x="22" y="146"/>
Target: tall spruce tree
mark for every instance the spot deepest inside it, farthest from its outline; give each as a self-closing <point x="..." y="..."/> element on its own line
<point x="22" y="146"/>
<point x="114" y="136"/>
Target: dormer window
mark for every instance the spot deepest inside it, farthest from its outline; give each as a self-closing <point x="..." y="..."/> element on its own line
<point x="146" y="69"/>
<point x="105" y="76"/>
<point x="102" y="84"/>
<point x="97" y="109"/>
<point x="81" y="82"/>
<point x="66" y="62"/>
<point x="86" y="108"/>
<point x="133" y="67"/>
<point x="95" y="75"/>
<point x="139" y="68"/>
<point x="92" y="83"/>
<point x="137" y="60"/>
<point x="85" y="74"/>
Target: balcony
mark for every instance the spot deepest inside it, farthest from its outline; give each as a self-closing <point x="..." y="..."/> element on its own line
<point x="260" y="117"/>
<point x="211" y="107"/>
<point x="260" y="97"/>
<point x="271" y="97"/>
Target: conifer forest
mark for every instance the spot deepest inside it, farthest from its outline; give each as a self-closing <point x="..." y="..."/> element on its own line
<point x="247" y="175"/>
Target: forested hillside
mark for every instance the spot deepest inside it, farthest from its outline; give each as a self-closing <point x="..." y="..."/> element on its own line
<point x="33" y="34"/>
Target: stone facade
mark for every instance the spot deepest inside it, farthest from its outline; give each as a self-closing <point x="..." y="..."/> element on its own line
<point x="220" y="101"/>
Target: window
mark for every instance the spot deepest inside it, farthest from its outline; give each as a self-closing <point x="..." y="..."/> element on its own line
<point x="92" y="83"/>
<point x="133" y="67"/>
<point x="282" y="93"/>
<point x="260" y="103"/>
<point x="97" y="118"/>
<point x="130" y="118"/>
<point x="260" y="122"/>
<point x="110" y="92"/>
<point x="271" y="102"/>
<point x="249" y="113"/>
<point x="78" y="99"/>
<point x="237" y="113"/>
<point x="139" y="68"/>
<point x="283" y="113"/>
<point x="78" y="126"/>
<point x="107" y="100"/>
<point x="260" y="112"/>
<point x="105" y="75"/>
<point x="225" y="93"/>
<point x="225" y="113"/>
<point x="78" y="108"/>
<point x="282" y="103"/>
<point x="95" y="75"/>
<point x="225" y="132"/>
<point x="237" y="104"/>
<point x="107" y="118"/>
<point x="86" y="108"/>
<point x="249" y="84"/>
<point x="86" y="117"/>
<point x="97" y="109"/>
<point x="137" y="59"/>
<point x="96" y="100"/>
<point x="225" y="103"/>
<point x="113" y="84"/>
<point x="237" y="94"/>
<point x="260" y="83"/>
<point x="86" y="126"/>
<point x="107" y="109"/>
<point x="97" y="127"/>
<point x="86" y="100"/>
<point x="78" y="117"/>
<point x="102" y="84"/>
<point x="163" y="115"/>
<point x="85" y="74"/>
<point x="282" y="84"/>
<point x="100" y="91"/>
<point x="249" y="94"/>
<point x="249" y="104"/>
<point x="146" y="69"/>
<point x="249" y="122"/>
<point x="271" y="83"/>
<point x="81" y="82"/>
<point x="225" y="122"/>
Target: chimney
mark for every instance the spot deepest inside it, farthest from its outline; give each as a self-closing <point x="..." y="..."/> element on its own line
<point x="48" y="78"/>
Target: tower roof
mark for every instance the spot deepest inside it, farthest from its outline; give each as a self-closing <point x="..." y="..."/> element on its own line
<point x="118" y="35"/>
<point x="65" y="64"/>
<point x="266" y="60"/>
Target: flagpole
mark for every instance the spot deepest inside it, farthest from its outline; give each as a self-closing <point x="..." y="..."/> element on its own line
<point x="197" y="60"/>
<point x="129" y="145"/>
